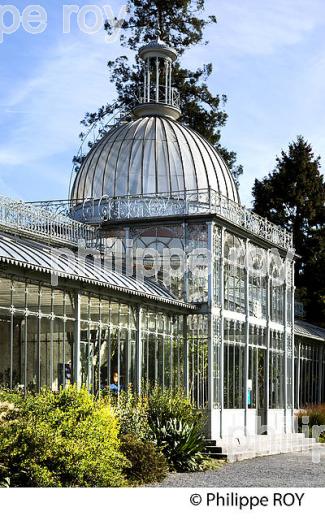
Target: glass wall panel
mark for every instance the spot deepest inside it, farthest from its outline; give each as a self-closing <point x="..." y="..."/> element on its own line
<point x="45" y="352"/>
<point x="5" y="292"/>
<point x="32" y="335"/>
<point x="33" y="297"/>
<point x="252" y="377"/>
<point x="162" y="350"/>
<point x="309" y="367"/>
<point x="69" y="306"/>
<point x="58" y="303"/>
<point x="5" y="347"/>
<point x="18" y="345"/>
<point x="277" y="375"/>
<point x="58" y="345"/>
<point x="277" y="287"/>
<point x="84" y="307"/>
<point x="94" y="309"/>
<point x="19" y="295"/>
<point x="105" y="357"/>
<point x="196" y="248"/>
<point x="84" y="353"/>
<point x="46" y="300"/>
<point x="257" y="367"/>
<point x="289" y="376"/>
<point x="234" y="273"/>
<point x="198" y="359"/>
<point x="67" y="372"/>
<point x="258" y="269"/>
<point x="234" y="364"/>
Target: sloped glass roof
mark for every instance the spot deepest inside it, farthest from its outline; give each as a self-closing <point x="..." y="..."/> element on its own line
<point x="305" y="329"/>
<point x="65" y="264"/>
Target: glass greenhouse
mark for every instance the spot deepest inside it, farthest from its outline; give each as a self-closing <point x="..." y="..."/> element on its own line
<point x="154" y="271"/>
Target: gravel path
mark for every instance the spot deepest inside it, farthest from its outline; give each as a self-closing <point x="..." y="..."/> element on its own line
<point x="285" y="470"/>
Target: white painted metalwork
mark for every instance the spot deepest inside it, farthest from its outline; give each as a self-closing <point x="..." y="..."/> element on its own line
<point x="178" y="203"/>
<point x="36" y="221"/>
<point x="157" y="89"/>
<point x="159" y="94"/>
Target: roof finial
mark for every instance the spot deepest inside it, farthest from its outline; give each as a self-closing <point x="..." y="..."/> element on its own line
<point x="157" y="95"/>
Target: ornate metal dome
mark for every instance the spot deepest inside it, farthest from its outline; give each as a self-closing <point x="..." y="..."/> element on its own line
<point x="152" y="156"/>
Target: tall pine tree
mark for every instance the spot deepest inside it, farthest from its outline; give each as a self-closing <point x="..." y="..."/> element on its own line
<point x="293" y="196"/>
<point x="181" y="25"/>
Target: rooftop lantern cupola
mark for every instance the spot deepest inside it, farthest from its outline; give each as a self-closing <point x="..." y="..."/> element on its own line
<point x="157" y="96"/>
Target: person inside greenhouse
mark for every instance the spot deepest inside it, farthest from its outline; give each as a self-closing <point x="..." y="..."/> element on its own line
<point x="115" y="387"/>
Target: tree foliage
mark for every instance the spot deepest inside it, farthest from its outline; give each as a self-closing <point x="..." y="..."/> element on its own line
<point x="293" y="196"/>
<point x="181" y="25"/>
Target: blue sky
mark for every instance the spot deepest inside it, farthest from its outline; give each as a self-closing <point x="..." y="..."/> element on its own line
<point x="268" y="58"/>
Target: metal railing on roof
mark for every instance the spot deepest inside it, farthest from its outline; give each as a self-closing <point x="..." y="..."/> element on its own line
<point x="164" y="95"/>
<point x="36" y="221"/>
<point x="177" y="203"/>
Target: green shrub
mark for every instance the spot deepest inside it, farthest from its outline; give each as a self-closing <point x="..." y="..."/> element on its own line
<point x="148" y="464"/>
<point x="177" y="429"/>
<point x="164" y="404"/>
<point x="132" y="413"/>
<point x="62" y="440"/>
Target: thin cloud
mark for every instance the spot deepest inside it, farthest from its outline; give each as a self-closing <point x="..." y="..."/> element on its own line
<point x="254" y="27"/>
<point x="65" y="88"/>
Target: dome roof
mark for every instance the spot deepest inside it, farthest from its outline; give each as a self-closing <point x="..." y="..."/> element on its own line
<point x="157" y="47"/>
<point x="148" y="156"/>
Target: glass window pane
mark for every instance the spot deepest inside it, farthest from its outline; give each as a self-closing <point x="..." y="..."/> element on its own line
<point x="19" y="295"/>
<point x="5" y="292"/>
<point x="46" y="300"/>
<point x="5" y="350"/>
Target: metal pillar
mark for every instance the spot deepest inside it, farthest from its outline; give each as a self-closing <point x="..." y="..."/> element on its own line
<point x="186" y="358"/>
<point x="285" y="325"/>
<point x="166" y="80"/>
<point x="157" y="80"/>
<point x="293" y="330"/>
<point x="170" y="84"/>
<point x="76" y="346"/>
<point x="11" y="347"/>
<point x="320" y="375"/>
<point x="246" y="358"/>
<point x="298" y="376"/>
<point x="222" y="327"/>
<point x="25" y="353"/>
<point x="138" y="344"/>
<point x="210" y="333"/>
<point x="148" y="80"/>
<point x="268" y="340"/>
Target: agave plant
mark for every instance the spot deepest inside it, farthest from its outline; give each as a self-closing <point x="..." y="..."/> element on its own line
<point x="181" y="443"/>
<point x="4" y="480"/>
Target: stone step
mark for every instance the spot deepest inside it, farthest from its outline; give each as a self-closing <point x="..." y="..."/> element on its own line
<point x="258" y="446"/>
<point x="210" y="442"/>
<point x="273" y="447"/>
<point x="219" y="456"/>
<point x="213" y="449"/>
<point x="238" y="456"/>
<point x="263" y="441"/>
